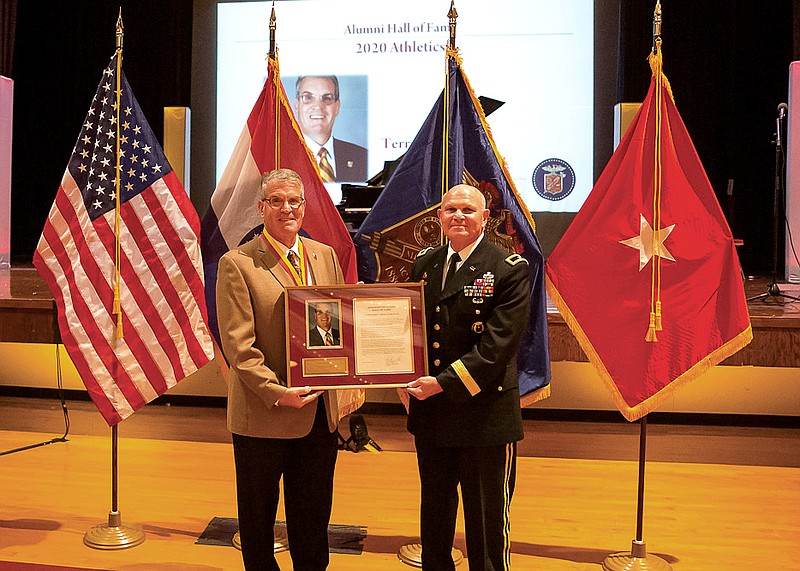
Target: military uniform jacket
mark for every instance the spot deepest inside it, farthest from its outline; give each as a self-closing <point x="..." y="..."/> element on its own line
<point x="250" y="309"/>
<point x="474" y="328"/>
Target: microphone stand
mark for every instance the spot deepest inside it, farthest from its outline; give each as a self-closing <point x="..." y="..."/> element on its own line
<point x="773" y="290"/>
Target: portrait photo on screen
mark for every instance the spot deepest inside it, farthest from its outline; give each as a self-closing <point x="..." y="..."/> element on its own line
<point x="332" y="113"/>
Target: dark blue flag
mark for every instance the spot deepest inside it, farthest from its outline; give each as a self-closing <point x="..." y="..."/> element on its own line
<point x="403" y="220"/>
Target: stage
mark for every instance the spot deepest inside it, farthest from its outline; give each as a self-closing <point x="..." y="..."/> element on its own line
<point x="28" y="315"/>
<point x="717" y="498"/>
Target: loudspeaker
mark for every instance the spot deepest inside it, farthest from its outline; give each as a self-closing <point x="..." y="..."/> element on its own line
<point x="177" y="137"/>
<point x="623" y="117"/>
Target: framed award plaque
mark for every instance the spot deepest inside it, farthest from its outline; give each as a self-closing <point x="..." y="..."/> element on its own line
<point x="362" y="335"/>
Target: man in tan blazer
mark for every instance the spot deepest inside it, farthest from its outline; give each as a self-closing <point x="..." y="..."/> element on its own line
<point x="277" y="431"/>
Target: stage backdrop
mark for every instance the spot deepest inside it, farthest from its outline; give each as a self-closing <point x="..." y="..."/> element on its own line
<point x="731" y="75"/>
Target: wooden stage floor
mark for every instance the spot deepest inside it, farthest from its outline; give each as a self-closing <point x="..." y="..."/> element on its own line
<point x="717" y="498"/>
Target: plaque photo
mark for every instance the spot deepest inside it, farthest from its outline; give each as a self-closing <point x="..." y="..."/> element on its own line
<point x="362" y="335"/>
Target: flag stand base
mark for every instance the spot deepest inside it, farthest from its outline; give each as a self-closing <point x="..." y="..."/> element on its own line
<point x="636" y="560"/>
<point x="411" y="554"/>
<point x="115" y="535"/>
<point x="281" y="540"/>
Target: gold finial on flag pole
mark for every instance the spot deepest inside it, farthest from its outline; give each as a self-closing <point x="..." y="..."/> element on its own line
<point x="657" y="26"/>
<point x="272" y="26"/>
<point x="453" y="15"/>
<point x="272" y="58"/>
<point x="120" y="30"/>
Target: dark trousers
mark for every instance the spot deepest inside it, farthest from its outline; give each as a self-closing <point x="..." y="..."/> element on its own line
<point x="307" y="466"/>
<point x="486" y="475"/>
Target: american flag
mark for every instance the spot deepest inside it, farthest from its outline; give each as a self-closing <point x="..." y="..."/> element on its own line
<point x="165" y="336"/>
<point x="232" y="218"/>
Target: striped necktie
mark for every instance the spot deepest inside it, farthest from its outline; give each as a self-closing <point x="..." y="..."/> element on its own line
<point x="325" y="168"/>
<point x="294" y="259"/>
<point x="328" y="339"/>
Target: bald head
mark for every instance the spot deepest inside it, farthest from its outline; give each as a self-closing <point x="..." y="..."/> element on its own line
<point x="465" y="190"/>
<point x="463" y="215"/>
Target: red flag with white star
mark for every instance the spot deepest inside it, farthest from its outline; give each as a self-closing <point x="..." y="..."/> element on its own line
<point x="647" y="276"/>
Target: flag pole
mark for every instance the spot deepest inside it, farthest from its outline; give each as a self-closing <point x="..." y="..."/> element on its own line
<point x="452" y="15"/>
<point x="411" y="553"/>
<point x="637" y="558"/>
<point x="280" y="538"/>
<point x="115" y="534"/>
<point x="272" y="56"/>
<point x="117" y="308"/>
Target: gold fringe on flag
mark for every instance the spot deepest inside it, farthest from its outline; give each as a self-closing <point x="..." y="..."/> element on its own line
<point x="632" y="413"/>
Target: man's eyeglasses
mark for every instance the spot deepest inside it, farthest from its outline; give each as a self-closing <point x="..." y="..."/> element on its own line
<point x="277" y="202"/>
<point x="326" y="99"/>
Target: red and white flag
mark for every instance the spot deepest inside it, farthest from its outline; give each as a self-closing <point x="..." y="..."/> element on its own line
<point x="271" y="139"/>
<point x="647" y="276"/>
<point x="164" y="336"/>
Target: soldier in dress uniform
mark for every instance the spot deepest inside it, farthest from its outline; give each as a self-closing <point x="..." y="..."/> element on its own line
<point x="465" y="416"/>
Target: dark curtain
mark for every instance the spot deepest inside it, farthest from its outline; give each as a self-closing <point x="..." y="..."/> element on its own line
<point x="728" y="64"/>
<point x="61" y="50"/>
<point x="8" y="26"/>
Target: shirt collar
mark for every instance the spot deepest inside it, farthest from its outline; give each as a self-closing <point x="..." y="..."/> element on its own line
<point x="314" y="147"/>
<point x="465" y="252"/>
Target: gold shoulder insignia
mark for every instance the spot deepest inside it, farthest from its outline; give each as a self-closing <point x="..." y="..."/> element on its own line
<point x="424" y="251"/>
<point x="515" y="259"/>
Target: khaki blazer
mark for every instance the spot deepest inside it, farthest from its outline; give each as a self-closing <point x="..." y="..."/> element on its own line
<point x="250" y="310"/>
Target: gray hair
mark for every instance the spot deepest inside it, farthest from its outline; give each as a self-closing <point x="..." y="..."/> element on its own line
<point x="281" y="176"/>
